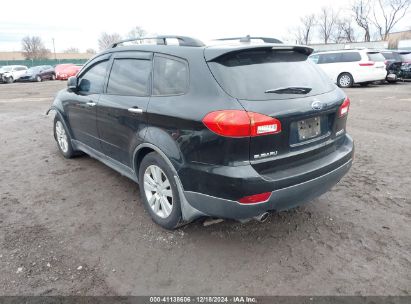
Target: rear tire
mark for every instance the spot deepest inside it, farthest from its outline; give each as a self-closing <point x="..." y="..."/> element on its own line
<point x="10" y="79"/>
<point x="159" y="192"/>
<point x="38" y="78"/>
<point x="53" y="77"/>
<point x="345" y="80"/>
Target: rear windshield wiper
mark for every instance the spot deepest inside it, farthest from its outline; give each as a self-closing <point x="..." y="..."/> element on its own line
<point x="290" y="90"/>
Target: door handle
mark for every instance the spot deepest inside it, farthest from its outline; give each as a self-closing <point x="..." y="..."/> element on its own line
<point x="135" y="110"/>
<point x="91" y="103"/>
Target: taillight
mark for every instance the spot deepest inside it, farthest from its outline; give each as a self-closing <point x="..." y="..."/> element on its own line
<point x="369" y="63"/>
<point x="343" y="110"/>
<point x="256" y="198"/>
<point x="238" y="123"/>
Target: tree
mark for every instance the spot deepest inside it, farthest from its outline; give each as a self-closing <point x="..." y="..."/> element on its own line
<point x="137" y="32"/>
<point x="72" y="50"/>
<point x="344" y="31"/>
<point x="361" y="10"/>
<point x="106" y="40"/>
<point x="304" y="31"/>
<point x="327" y="22"/>
<point x="91" y="51"/>
<point x="33" y="48"/>
<point x="387" y="14"/>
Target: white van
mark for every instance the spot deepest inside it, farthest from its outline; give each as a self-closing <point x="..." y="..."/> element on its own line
<point x="347" y="67"/>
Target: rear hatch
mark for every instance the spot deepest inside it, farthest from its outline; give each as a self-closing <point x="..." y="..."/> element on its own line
<point x="281" y="83"/>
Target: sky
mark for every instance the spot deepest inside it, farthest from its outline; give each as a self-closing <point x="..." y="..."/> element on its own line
<point x="78" y="23"/>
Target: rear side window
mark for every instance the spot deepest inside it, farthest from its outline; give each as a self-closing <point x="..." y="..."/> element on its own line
<point x="254" y="74"/>
<point x="129" y="77"/>
<point x="350" y="57"/>
<point x="170" y="76"/>
<point x="375" y="56"/>
<point x="329" y="58"/>
<point x="92" y="80"/>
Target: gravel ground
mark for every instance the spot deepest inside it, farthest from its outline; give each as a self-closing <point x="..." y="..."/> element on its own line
<point x="76" y="227"/>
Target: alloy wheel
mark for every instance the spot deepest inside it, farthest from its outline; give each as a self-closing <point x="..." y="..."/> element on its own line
<point x="345" y="81"/>
<point x="158" y="191"/>
<point x="61" y="137"/>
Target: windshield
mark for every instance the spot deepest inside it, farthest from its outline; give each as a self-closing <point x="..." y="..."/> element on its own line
<point x="264" y="74"/>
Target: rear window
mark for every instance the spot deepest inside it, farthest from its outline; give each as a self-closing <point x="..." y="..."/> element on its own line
<point x="249" y="74"/>
<point x="376" y="56"/>
<point x="406" y="57"/>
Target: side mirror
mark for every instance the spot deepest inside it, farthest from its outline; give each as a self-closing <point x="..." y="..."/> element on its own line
<point x="72" y="83"/>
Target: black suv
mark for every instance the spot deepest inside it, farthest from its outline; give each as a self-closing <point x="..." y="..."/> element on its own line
<point x="230" y="131"/>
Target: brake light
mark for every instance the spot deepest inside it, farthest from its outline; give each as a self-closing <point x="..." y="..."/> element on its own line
<point x="343" y="110"/>
<point x="239" y="123"/>
<point x="369" y="63"/>
<point x="256" y="198"/>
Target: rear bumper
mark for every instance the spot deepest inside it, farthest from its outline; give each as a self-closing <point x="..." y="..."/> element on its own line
<point x="281" y="198"/>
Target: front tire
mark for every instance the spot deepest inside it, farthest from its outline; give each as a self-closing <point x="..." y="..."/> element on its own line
<point x="345" y="80"/>
<point x="63" y="138"/>
<point x="38" y="78"/>
<point x="158" y="190"/>
<point x="10" y="79"/>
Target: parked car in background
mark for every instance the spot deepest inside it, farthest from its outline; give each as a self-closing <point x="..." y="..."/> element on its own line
<point x="39" y="73"/>
<point x="348" y="67"/>
<point x="11" y="73"/>
<point x="393" y="65"/>
<point x="405" y="64"/>
<point x="66" y="70"/>
<point x="229" y="131"/>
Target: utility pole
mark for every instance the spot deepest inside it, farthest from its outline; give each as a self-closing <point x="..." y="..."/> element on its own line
<point x="54" y="48"/>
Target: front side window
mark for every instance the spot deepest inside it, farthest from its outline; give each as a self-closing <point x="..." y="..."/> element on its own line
<point x="129" y="77"/>
<point x="170" y="76"/>
<point x="92" y="81"/>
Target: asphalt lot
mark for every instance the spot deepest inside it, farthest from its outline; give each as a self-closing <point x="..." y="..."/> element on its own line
<point x="76" y="227"/>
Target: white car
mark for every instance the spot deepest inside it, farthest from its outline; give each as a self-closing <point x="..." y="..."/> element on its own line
<point x="347" y="67"/>
<point x="11" y="73"/>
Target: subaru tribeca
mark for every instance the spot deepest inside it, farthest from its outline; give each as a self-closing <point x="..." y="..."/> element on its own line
<point x="230" y="131"/>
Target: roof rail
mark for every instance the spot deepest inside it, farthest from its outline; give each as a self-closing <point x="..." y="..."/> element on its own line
<point x="248" y="39"/>
<point x="162" y="40"/>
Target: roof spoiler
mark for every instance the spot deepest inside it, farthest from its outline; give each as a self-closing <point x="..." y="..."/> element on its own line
<point x="213" y="53"/>
<point x="162" y="40"/>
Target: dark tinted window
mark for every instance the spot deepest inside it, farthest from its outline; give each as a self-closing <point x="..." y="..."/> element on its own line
<point x="391" y="56"/>
<point x="350" y="57"/>
<point x="329" y="58"/>
<point x="93" y="80"/>
<point x="249" y="74"/>
<point x="375" y="56"/>
<point x="406" y="57"/>
<point x="170" y="76"/>
<point x="129" y="77"/>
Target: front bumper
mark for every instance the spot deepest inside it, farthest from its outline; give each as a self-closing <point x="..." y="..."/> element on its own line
<point x="282" y="197"/>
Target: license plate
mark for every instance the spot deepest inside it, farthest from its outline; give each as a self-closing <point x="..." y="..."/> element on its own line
<point x="309" y="128"/>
